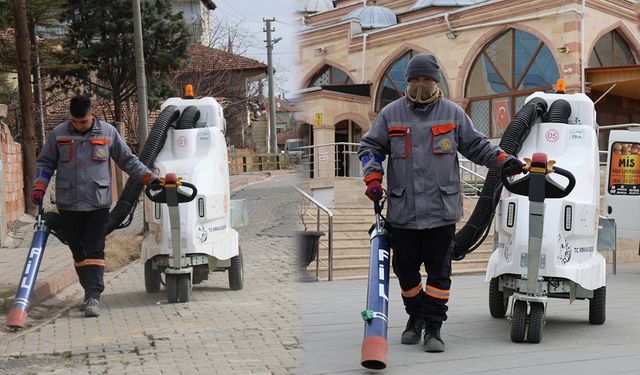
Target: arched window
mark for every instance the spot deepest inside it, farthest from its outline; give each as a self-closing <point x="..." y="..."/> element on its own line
<point x="612" y="50"/>
<point x="330" y="75"/>
<point x="394" y="81"/>
<point x="509" y="68"/>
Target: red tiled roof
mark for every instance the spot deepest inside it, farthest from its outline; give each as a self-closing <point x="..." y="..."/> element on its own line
<point x="207" y="59"/>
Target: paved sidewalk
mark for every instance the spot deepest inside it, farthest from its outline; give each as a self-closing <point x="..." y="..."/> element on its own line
<point x="56" y="270"/>
<point x="476" y="343"/>
<point x="251" y="331"/>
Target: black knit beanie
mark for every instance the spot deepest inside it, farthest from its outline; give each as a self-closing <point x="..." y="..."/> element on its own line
<point x="423" y="65"/>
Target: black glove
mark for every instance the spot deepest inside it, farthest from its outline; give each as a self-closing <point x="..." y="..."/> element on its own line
<point x="154" y="183"/>
<point x="512" y="166"/>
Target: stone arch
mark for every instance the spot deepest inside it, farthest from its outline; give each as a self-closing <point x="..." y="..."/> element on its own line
<point x="304" y="82"/>
<point x="355" y="117"/>
<point x="624" y="31"/>
<point x="488" y="37"/>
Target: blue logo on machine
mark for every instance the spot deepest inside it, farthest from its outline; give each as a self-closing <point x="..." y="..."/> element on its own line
<point x="216" y="229"/>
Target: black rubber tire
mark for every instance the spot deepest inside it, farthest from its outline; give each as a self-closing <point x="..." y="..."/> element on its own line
<point x="172" y="288"/>
<point x="184" y="287"/>
<point x="598" y="306"/>
<point x="519" y="321"/>
<point x="498" y="304"/>
<point x="536" y="322"/>
<point x="236" y="272"/>
<point x="151" y="277"/>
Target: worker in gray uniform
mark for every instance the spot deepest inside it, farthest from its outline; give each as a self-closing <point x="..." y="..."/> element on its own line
<point x="422" y="133"/>
<point x="80" y="150"/>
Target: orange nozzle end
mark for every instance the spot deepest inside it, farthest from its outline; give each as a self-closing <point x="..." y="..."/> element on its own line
<point x="17" y="318"/>
<point x="561" y="86"/>
<point x="374" y="353"/>
<point x="188" y="92"/>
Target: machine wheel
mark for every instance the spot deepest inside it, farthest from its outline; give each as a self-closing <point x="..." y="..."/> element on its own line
<point x="498" y="303"/>
<point x="519" y="321"/>
<point x="184" y="287"/>
<point x="172" y="288"/>
<point x="151" y="277"/>
<point x="598" y="306"/>
<point x="236" y="272"/>
<point x="536" y="321"/>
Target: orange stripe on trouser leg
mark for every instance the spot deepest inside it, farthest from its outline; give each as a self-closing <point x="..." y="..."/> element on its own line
<point x="90" y="262"/>
<point x="437" y="293"/>
<point x="412" y="292"/>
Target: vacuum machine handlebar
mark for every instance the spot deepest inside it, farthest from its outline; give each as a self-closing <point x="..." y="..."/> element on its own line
<point x="538" y="185"/>
<point x="171" y="182"/>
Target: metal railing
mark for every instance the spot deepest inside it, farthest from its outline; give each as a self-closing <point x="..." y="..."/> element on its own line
<point x="304" y="212"/>
<point x="343" y="155"/>
<point x="240" y="163"/>
<point x="472" y="180"/>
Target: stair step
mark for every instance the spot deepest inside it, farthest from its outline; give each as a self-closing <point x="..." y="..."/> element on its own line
<point x="362" y="274"/>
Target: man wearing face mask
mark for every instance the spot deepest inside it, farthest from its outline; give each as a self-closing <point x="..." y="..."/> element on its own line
<point x="422" y="133"/>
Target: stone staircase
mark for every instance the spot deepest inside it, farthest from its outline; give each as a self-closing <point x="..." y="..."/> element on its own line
<point x="351" y="245"/>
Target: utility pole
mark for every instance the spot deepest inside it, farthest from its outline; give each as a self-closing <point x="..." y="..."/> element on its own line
<point x="141" y="78"/>
<point x="23" y="49"/>
<point x="37" y="86"/>
<point x="273" y="145"/>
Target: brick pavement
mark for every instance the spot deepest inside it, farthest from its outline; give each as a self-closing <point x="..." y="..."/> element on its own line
<point x="251" y="331"/>
<point x="56" y="270"/>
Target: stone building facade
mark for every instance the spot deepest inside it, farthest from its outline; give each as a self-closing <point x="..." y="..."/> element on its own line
<point x="492" y="55"/>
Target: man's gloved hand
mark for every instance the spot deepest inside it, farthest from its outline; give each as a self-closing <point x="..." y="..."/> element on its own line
<point x="512" y="166"/>
<point x="36" y="195"/>
<point x="374" y="186"/>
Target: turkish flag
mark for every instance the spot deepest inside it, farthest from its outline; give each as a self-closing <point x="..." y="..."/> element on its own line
<point x="501" y="113"/>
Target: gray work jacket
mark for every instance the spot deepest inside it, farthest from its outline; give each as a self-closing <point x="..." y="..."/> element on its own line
<point x="423" y="180"/>
<point x="83" y="165"/>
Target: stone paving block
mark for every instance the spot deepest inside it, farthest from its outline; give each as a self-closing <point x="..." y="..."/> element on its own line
<point x="211" y="333"/>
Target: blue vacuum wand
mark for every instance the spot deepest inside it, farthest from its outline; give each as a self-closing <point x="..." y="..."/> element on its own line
<point x="17" y="317"/>
<point x="374" y="345"/>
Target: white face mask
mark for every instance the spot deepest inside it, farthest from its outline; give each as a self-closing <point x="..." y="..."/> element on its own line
<point x="421" y="92"/>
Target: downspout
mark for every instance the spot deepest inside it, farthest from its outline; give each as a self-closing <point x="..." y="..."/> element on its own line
<point x="582" y="49"/>
<point x="364" y="53"/>
<point x="446" y="20"/>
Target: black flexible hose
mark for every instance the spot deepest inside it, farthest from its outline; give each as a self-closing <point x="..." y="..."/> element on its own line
<point x="466" y="239"/>
<point x="129" y="197"/>
<point x="559" y="112"/>
<point x="188" y="118"/>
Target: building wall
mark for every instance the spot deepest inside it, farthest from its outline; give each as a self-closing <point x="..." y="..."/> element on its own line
<point x="341" y="45"/>
<point x="11" y="191"/>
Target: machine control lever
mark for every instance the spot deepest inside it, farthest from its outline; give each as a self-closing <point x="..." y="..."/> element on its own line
<point x="538" y="185"/>
<point x="169" y="192"/>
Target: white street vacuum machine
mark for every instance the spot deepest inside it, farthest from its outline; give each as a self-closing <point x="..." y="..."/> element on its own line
<point x="546" y="222"/>
<point x="189" y="217"/>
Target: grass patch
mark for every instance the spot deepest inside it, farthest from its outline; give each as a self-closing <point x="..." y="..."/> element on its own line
<point x="121" y="250"/>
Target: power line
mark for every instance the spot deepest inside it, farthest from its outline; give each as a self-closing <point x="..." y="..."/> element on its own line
<point x="234" y="9"/>
<point x="228" y="15"/>
<point x="288" y="24"/>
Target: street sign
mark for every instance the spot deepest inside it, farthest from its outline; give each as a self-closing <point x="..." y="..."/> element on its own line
<point x="323" y="157"/>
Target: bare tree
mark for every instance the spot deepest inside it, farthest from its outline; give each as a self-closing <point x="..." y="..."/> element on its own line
<point x="231" y="36"/>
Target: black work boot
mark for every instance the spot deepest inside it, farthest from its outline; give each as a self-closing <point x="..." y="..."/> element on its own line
<point x="432" y="341"/>
<point x="412" y="333"/>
